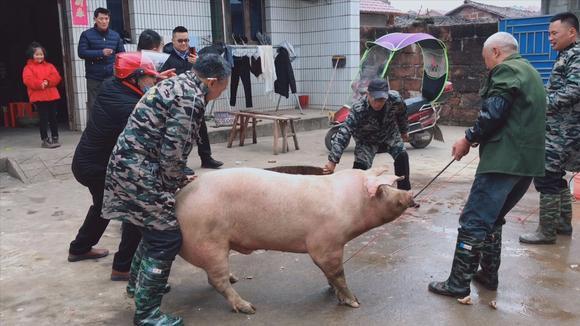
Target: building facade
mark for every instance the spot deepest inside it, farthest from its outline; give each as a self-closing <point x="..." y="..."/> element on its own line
<point x="317" y="30"/>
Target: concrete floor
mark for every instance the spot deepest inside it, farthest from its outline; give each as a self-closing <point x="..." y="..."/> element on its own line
<point x="539" y="285"/>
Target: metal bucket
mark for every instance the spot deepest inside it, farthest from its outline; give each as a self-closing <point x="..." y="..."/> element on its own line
<point x="297" y="169"/>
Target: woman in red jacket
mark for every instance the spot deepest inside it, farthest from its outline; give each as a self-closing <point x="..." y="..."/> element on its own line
<point x="41" y="79"/>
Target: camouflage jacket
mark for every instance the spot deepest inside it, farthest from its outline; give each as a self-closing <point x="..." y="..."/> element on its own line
<point x="563" y="112"/>
<point x="369" y="126"/>
<point x="146" y="166"/>
<point x="564" y="85"/>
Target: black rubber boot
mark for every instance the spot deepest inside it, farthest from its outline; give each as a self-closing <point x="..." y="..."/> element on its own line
<point x="464" y="266"/>
<point x="490" y="260"/>
<point x="565" y="220"/>
<point x="549" y="215"/>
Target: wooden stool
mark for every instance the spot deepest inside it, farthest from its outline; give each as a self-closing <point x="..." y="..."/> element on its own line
<point x="240" y="126"/>
<point x="281" y="123"/>
<point x="280" y="128"/>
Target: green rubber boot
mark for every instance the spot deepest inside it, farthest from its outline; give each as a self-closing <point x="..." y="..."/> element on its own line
<point x="565" y="220"/>
<point x="134" y="272"/>
<point x="465" y="263"/>
<point x="490" y="260"/>
<point x="549" y="215"/>
<point x="149" y="292"/>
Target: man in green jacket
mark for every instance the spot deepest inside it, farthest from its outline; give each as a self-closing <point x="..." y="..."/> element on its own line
<point x="510" y="134"/>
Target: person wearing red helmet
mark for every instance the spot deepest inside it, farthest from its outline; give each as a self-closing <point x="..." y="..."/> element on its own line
<point x="134" y="74"/>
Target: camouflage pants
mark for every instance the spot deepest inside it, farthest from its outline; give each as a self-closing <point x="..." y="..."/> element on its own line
<point x="491" y="197"/>
<point x="364" y="153"/>
<point x="563" y="143"/>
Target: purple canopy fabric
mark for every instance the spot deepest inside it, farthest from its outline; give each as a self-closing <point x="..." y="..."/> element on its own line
<point x="398" y="41"/>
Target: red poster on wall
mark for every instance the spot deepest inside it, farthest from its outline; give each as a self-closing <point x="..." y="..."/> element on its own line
<point x="79" y="12"/>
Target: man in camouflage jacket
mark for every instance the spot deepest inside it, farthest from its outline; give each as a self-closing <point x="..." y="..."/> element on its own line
<point x="378" y="123"/>
<point x="562" y="133"/>
<point x="146" y="170"/>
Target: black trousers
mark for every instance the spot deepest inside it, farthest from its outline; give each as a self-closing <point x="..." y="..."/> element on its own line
<point x="161" y="245"/>
<point x="94" y="226"/>
<point x="241" y="70"/>
<point x="203" y="146"/>
<point x="47" y="112"/>
<point x="552" y="183"/>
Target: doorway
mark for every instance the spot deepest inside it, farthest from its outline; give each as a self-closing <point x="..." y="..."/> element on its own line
<point x="26" y="21"/>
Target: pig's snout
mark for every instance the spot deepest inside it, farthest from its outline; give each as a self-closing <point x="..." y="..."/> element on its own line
<point x="410" y="200"/>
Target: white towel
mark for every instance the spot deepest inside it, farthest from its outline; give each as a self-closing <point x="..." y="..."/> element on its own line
<point x="268" y="75"/>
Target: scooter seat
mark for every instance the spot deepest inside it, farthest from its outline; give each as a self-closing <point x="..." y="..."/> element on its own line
<point x="415" y="103"/>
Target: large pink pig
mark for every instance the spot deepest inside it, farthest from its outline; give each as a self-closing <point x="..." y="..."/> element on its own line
<point x="247" y="209"/>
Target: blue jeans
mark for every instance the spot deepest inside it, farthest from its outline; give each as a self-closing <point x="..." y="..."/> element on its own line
<point x="491" y="197"/>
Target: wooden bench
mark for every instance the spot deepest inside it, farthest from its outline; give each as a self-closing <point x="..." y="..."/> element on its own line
<point x="283" y="127"/>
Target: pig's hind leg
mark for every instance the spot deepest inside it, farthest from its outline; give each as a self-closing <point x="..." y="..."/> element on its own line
<point x="216" y="265"/>
<point x="330" y="262"/>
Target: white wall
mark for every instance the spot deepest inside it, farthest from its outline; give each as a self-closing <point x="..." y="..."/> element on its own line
<point x="328" y="29"/>
<point x="317" y="30"/>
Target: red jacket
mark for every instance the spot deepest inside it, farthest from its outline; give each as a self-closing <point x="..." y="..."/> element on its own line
<point x="34" y="74"/>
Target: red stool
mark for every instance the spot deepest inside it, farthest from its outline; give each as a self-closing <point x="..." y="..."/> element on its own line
<point x="15" y="110"/>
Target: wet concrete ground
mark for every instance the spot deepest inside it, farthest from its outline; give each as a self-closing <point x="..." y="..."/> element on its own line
<point x="539" y="285"/>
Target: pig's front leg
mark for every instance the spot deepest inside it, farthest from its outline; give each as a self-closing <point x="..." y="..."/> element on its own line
<point x="329" y="260"/>
<point x="216" y="265"/>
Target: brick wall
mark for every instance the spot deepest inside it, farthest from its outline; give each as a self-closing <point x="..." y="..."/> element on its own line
<point x="466" y="68"/>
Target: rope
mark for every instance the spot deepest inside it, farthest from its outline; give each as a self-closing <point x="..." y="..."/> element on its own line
<point x="378" y="235"/>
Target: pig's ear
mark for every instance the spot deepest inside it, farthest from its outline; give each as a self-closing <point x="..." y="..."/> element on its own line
<point x="373" y="183"/>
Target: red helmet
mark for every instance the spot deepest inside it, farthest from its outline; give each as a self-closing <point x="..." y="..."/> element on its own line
<point x="133" y="64"/>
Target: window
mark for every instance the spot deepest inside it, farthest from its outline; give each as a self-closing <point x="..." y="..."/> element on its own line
<point x="237" y="17"/>
<point x="120" y="22"/>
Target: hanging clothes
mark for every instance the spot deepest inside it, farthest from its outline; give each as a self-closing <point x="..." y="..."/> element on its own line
<point x="256" y="65"/>
<point x="285" y="74"/>
<point x="241" y="70"/>
<point x="266" y="55"/>
<point x="290" y="48"/>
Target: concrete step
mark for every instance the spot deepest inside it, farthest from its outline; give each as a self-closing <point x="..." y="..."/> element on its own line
<point x="22" y="157"/>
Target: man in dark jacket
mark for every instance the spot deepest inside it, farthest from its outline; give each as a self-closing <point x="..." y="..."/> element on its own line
<point x="510" y="133"/>
<point x="181" y="59"/>
<point x="134" y="74"/>
<point x="98" y="46"/>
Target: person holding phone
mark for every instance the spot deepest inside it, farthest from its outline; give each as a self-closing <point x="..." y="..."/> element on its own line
<point x="181" y="58"/>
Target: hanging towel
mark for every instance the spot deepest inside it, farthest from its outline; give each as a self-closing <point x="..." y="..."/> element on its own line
<point x="266" y="55"/>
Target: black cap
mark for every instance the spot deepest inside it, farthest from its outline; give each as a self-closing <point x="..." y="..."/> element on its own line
<point x="378" y="88"/>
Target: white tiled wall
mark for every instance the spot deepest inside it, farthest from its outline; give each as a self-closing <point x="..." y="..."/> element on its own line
<point x="317" y="30"/>
<point x="327" y="29"/>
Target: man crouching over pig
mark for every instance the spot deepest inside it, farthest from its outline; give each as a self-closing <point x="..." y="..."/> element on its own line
<point x="378" y="123"/>
<point x="510" y="131"/>
<point x="146" y="170"/>
<point x="317" y="215"/>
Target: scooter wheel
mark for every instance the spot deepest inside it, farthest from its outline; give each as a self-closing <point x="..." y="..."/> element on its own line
<point x="421" y="139"/>
<point x="329" y="136"/>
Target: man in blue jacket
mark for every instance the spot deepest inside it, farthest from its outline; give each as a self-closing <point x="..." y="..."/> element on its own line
<point x="98" y="46"/>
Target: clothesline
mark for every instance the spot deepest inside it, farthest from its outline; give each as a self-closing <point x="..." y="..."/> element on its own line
<point x="248" y="50"/>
